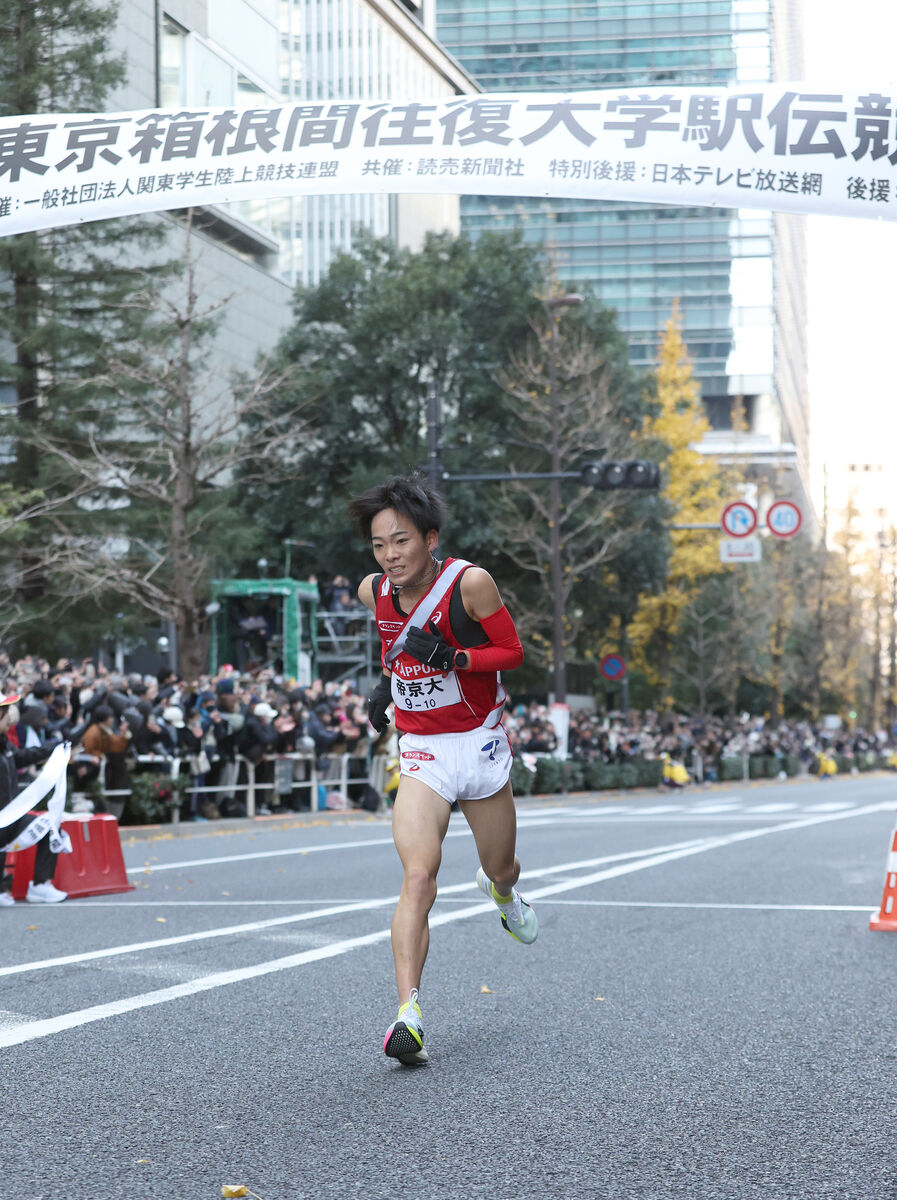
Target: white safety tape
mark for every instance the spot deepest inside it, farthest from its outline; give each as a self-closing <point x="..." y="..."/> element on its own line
<point x="52" y="777"/>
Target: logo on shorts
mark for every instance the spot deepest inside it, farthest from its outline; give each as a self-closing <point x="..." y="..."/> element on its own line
<point x="414" y="767"/>
<point x="421" y="754"/>
<point x="490" y="748"/>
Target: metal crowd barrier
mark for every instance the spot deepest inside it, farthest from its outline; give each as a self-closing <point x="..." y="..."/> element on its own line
<point x="336" y="779"/>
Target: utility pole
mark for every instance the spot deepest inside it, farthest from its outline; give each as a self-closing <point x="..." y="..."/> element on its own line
<point x="558" y="641"/>
<point x="877" y="599"/>
<point x="434" y="437"/>
<point x="891" y="707"/>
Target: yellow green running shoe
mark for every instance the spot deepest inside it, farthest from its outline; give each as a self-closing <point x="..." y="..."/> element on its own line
<point x="404" y="1039"/>
<point x="518" y="917"/>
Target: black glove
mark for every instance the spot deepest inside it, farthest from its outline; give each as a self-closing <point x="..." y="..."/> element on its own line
<point x="378" y="702"/>
<point x="430" y="648"/>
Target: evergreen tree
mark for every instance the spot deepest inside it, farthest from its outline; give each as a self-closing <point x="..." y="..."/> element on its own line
<point x="383" y="327"/>
<point x="67" y="290"/>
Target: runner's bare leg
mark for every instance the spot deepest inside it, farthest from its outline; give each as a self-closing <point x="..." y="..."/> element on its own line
<point x="420" y="819"/>
<point x="493" y="822"/>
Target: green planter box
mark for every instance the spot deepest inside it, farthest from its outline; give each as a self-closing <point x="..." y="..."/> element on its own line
<point x="549" y="776"/>
<point x="522" y="779"/>
<point x="730" y="769"/>
<point x="774" y="766"/>
<point x="650" y="771"/>
<point x="612" y="776"/>
<point x="572" y="775"/>
<point x="629" y="775"/>
<point x="757" y="766"/>
<point x="601" y="776"/>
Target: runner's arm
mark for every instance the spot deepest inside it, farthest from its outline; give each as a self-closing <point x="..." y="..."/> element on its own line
<point x="483" y="603"/>
<point x="366" y="592"/>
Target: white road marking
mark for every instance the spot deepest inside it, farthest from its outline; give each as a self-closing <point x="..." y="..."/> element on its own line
<point x="152" y="868"/>
<point x="729" y="806"/>
<point x="782" y="806"/>
<point x="526" y="818"/>
<point x="316" y="914"/>
<point x="104" y="902"/>
<point x="859" y="908"/>
<point x="99" y="1012"/>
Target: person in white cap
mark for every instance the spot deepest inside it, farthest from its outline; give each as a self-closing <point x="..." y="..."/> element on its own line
<point x="40" y="889"/>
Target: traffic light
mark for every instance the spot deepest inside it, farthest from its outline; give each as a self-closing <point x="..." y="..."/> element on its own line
<point x="608" y="476"/>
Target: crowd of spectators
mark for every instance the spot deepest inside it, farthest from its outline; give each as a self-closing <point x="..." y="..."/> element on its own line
<point x="122" y="724"/>
<point x="697" y="743"/>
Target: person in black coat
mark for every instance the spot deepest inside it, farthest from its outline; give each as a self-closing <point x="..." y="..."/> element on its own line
<point x="12" y="759"/>
<point x="258" y="736"/>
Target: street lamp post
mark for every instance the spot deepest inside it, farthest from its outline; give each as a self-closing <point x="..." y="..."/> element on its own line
<point x="558" y="647"/>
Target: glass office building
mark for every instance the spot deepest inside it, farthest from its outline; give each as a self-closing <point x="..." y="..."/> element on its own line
<point x="266" y="52"/>
<point x="740" y="275"/>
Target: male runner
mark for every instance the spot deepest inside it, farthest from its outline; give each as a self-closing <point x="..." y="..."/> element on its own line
<point x="445" y="635"/>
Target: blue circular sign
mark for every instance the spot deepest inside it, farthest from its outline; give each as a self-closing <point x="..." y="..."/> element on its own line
<point x="613" y="666"/>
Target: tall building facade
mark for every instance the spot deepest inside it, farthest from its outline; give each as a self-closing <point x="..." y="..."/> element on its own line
<point x="264" y="53"/>
<point x="740" y="275"/>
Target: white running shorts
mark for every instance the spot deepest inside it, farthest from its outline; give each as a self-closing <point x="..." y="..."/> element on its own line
<point x="458" y="766"/>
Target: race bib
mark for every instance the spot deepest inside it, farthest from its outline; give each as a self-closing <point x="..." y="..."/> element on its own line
<point x="421" y="695"/>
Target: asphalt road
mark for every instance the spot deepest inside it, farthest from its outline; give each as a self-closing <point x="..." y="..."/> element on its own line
<point x="705" y="1014"/>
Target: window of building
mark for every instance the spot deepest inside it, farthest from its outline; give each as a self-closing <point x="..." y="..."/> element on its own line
<point x="173" y="65"/>
<point x="213" y="78"/>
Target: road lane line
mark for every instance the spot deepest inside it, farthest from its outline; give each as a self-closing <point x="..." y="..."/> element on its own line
<point x="151" y="869"/>
<point x="147" y="868"/>
<point x="526" y="818"/>
<point x="294" y="918"/>
<point x="34" y="1030"/>
<point x="858" y="908"/>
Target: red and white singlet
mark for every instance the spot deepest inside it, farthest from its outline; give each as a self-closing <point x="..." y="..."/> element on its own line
<point x="429" y="701"/>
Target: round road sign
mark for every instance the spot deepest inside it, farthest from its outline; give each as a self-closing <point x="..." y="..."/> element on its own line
<point x="783" y="518"/>
<point x="613" y="666"/>
<point x="739" y="519"/>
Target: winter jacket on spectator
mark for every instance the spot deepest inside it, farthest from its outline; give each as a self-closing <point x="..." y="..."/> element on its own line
<point x="190" y="739"/>
<point x="153" y="736"/>
<point x="321" y="729"/>
<point x="99" y="740"/>
<point x="257" y="738"/>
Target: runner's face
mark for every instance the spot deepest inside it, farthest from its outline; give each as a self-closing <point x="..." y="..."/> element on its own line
<point x="400" y="548"/>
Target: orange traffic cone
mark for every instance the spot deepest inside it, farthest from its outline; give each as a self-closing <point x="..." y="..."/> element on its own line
<point x="887" y="917"/>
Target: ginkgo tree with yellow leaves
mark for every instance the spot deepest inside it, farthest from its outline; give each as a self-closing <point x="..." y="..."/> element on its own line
<point x="694" y="490"/>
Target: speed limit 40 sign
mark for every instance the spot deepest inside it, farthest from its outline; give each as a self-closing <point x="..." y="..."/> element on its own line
<point x="783" y="519"/>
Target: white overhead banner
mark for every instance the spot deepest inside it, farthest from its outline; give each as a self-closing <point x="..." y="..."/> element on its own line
<point x="789" y="147"/>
